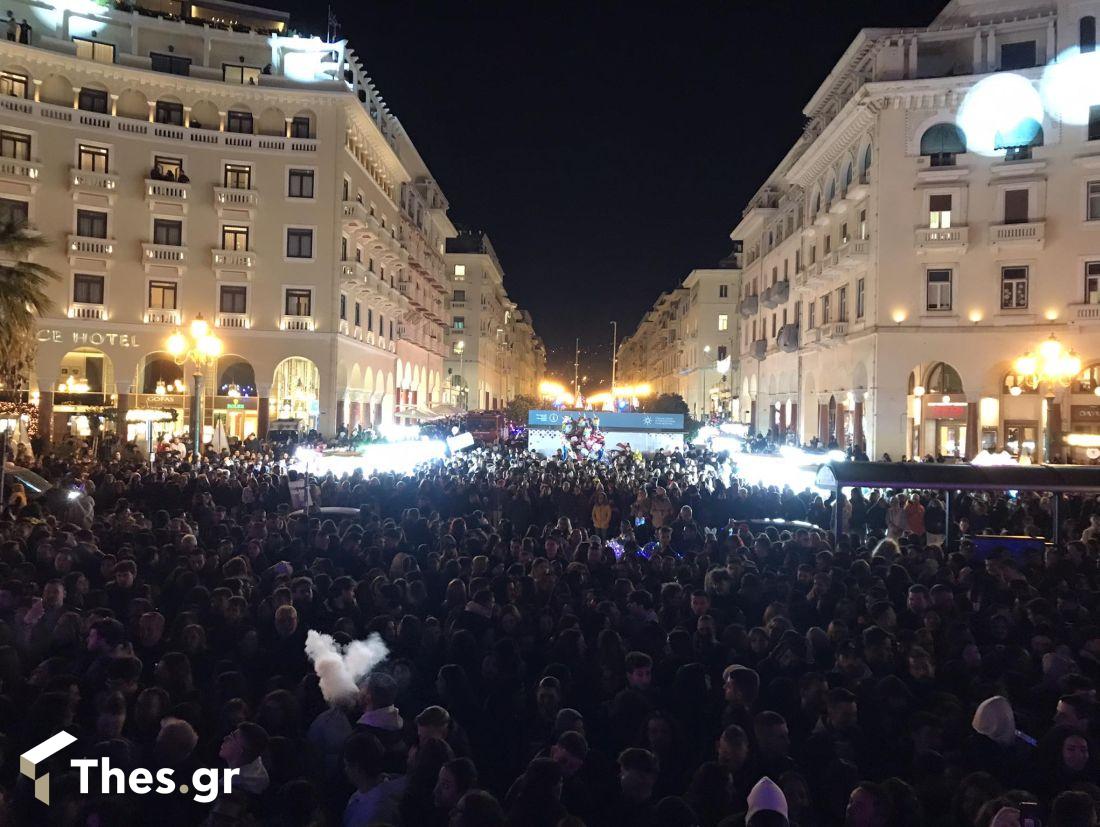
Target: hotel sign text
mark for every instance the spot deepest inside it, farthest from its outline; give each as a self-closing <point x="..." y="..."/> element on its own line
<point x="83" y="337"/>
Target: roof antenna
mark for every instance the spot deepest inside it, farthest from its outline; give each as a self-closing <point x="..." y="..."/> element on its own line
<point x="333" y="27"/>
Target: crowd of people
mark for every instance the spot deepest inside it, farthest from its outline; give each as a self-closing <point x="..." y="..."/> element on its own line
<point x="569" y="642"/>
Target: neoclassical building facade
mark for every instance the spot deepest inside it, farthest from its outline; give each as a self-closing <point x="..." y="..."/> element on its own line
<point x="899" y="260"/>
<point x="215" y="165"/>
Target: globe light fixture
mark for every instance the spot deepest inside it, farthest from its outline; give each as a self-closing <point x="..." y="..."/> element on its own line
<point x="203" y="349"/>
<point x="1050" y="366"/>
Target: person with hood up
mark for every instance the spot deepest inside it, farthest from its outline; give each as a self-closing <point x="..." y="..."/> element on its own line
<point x="996" y="746"/>
<point x="767" y="805"/>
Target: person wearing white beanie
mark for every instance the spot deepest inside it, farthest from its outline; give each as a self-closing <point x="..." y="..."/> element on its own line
<point x="765" y="800"/>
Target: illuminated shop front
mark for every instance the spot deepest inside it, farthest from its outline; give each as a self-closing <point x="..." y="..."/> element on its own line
<point x="82" y="393"/>
<point x="236" y="406"/>
<point x="295" y="393"/>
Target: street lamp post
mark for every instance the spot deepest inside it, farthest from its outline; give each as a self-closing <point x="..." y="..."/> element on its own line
<point x="1051" y="368"/>
<point x="203" y="348"/>
<point x="706" y="402"/>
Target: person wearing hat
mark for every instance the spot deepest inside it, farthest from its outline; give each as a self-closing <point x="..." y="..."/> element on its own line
<point x="767" y="806"/>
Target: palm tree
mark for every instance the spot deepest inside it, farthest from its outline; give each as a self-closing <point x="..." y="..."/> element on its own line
<point x="23" y="298"/>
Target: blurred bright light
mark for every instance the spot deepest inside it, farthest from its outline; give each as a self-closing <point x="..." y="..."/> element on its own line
<point x="382" y="457"/>
<point x="1000" y="110"/>
<point x="1071" y="85"/>
<point x="399" y="433"/>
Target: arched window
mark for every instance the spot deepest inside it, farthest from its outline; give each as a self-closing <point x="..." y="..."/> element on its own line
<point x="847" y="177"/>
<point x="832" y="193"/>
<point x="1018" y="141"/>
<point x="941" y="143"/>
<point x="942" y="378"/>
<point x="865" y="166"/>
<point x="817" y="203"/>
<point x="1013" y="382"/>
<point x="1086" y="30"/>
<point x="1088" y="380"/>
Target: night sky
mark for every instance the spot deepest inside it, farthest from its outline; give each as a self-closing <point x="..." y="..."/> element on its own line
<point x="606" y="148"/>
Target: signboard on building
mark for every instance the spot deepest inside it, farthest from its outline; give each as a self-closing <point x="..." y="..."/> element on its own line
<point x="610" y="421"/>
<point x="1085" y="413"/>
<point x="81" y="338"/>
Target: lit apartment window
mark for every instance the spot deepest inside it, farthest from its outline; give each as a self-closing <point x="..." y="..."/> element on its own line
<point x="1014" y="288"/>
<point x="460" y="271"/>
<point x="169" y="112"/>
<point x="233" y="298"/>
<point x="299" y="127"/>
<point x="1016" y="207"/>
<point x="1092" y="282"/>
<point x="238" y="176"/>
<point x="939" y="290"/>
<point x="170" y="64"/>
<point x="862" y="225"/>
<point x="91" y="224"/>
<point x="234" y="238"/>
<point x="236" y="121"/>
<point x="861" y="290"/>
<point x="299" y="243"/>
<point x="458" y="323"/>
<point x="245" y="75"/>
<point x="939" y="212"/>
<point x="94" y="50"/>
<point x="16" y="145"/>
<point x="13" y="84"/>
<point x="168" y="167"/>
<point x="844" y="233"/>
<point x="168" y="232"/>
<point x="92" y="158"/>
<point x="299" y="302"/>
<point x="13" y="212"/>
<point x="723" y="321"/>
<point x="300" y="183"/>
<point x="162" y="295"/>
<point x="87" y="289"/>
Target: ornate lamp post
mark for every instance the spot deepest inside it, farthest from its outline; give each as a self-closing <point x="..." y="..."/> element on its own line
<point x="203" y="348"/>
<point x="1051" y="368"/>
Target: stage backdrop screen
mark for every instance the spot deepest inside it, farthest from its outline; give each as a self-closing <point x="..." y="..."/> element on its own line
<point x="609" y="421"/>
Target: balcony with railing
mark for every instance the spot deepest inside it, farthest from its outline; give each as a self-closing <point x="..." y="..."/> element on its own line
<point x="101" y="183"/>
<point x="1030" y="236"/>
<point x="168" y="192"/>
<point x="949" y="240"/>
<point x="234" y="259"/>
<point x="234" y="198"/>
<point x="86" y="246"/>
<point x="156" y="315"/>
<point x="748" y="306"/>
<point x="1085" y="313"/>
<point x="297" y="324"/>
<point x="833" y="332"/>
<point x="171" y="254"/>
<point x="96" y="312"/>
<point x="830" y="265"/>
<point x="855" y="253"/>
<point x="236" y="321"/>
<point x="23" y="172"/>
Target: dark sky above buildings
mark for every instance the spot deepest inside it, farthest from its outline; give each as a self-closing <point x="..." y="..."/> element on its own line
<point x="606" y="147"/>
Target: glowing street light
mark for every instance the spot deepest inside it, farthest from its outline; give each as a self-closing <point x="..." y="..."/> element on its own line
<point x="203" y="348"/>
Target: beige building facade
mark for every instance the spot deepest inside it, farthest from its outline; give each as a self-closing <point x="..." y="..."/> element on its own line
<point x="896" y="265"/>
<point x="216" y="166"/>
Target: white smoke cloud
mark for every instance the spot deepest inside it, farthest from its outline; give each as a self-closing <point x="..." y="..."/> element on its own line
<point x="341" y="668"/>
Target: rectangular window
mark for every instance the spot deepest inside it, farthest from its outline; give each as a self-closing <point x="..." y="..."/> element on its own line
<point x="862" y="225"/>
<point x="826" y="309"/>
<point x="238" y="176"/>
<point x="13" y="212"/>
<point x="723" y="291"/>
<point x="92" y="100"/>
<point x="233" y="298"/>
<point x="87" y="289"/>
<point x="861" y="292"/>
<point x="842" y="304"/>
<point x="828" y="248"/>
<point x="459" y="296"/>
<point x="169" y="112"/>
<point x="939" y="290"/>
<point x="1014" y="288"/>
<point x="234" y="238"/>
<point x="300" y="183"/>
<point x="754" y="330"/>
<point x="786" y="269"/>
<point x="1016" y="207"/>
<point x="91" y="224"/>
<point x="813" y="254"/>
<point x="171" y="64"/>
<point x="343" y="307"/>
<point x="299" y="127"/>
<point x="723" y="321"/>
<point x="458" y="323"/>
<point x="94" y="50"/>
<point x="245" y="75"/>
<point x="238" y="122"/>
<point x="299" y="302"/>
<point x="93" y="158"/>
<point x="1092" y="282"/>
<point x="1017" y="55"/>
<point x="1094" y="123"/>
<point x="811" y="316"/>
<point x="844" y="233"/>
<point x="1092" y="204"/>
<point x="162" y="295"/>
<point x="460" y="271"/>
<point x="723" y="352"/>
<point x="168" y="232"/>
<point x="939" y="212"/>
<point x="168" y="167"/>
<point x="798" y="261"/>
<point x="358" y="315"/>
<point x="15" y="145"/>
<point x="13" y="84"/>
<point x="299" y="243"/>
<point x="775" y="275"/>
